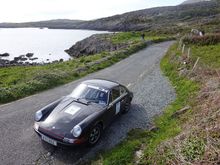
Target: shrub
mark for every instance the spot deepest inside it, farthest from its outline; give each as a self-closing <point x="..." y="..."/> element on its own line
<point x="6" y="95"/>
<point x="193" y="148"/>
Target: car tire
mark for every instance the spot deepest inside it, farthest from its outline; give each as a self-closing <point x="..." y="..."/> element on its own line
<point x="94" y="135"/>
<point x="127" y="107"/>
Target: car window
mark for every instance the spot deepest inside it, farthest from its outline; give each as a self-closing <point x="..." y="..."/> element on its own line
<point x="115" y="93"/>
<point x="90" y="93"/>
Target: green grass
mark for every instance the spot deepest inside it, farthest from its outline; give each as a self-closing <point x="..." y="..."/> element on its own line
<point x="123" y="153"/>
<point x="168" y="126"/>
<point x="209" y="55"/>
<point x="19" y="81"/>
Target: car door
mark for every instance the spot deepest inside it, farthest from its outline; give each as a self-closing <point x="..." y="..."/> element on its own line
<point x="114" y="105"/>
<point x="123" y="97"/>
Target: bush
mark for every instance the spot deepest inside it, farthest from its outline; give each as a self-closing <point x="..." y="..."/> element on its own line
<point x="209" y="39"/>
<point x="193" y="148"/>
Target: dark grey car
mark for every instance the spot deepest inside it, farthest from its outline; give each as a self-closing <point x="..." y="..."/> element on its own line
<point x="82" y="116"/>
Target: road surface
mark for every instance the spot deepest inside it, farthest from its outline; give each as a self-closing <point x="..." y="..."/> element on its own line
<point x="140" y="73"/>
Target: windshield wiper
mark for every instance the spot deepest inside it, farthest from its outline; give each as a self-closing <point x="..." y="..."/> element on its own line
<point x="81" y="100"/>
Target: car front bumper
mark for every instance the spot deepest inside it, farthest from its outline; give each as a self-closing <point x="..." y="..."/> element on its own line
<point x="58" y="141"/>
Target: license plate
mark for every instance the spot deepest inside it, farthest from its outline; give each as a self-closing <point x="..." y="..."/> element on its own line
<point x="49" y="140"/>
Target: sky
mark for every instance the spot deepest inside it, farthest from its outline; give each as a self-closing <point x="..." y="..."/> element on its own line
<point x="36" y="10"/>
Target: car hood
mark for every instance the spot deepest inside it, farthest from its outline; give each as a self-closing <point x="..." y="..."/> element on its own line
<point x="67" y="114"/>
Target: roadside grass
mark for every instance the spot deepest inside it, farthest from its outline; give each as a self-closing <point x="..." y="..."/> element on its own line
<point x="21" y="81"/>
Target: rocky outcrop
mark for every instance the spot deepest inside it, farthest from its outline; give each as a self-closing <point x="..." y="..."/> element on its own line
<point x="97" y="43"/>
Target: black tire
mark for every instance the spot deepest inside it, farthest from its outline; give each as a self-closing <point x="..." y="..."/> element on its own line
<point x="127" y="107"/>
<point x="95" y="135"/>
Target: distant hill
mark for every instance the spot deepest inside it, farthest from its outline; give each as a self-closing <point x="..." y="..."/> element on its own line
<point x="193" y="1"/>
<point x="55" y="24"/>
<point x="170" y="19"/>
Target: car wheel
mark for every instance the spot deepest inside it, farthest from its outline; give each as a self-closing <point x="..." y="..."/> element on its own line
<point x="127" y="106"/>
<point x="94" y="135"/>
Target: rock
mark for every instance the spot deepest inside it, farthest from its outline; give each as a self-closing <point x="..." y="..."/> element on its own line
<point x="32" y="59"/>
<point x="4" y="62"/>
<point x="56" y="61"/>
<point x="29" y="55"/>
<point x="16" y="58"/>
<point x="4" y="55"/>
<point x="23" y="59"/>
<point x="97" y="43"/>
<point x="181" y="111"/>
<point x="21" y="56"/>
<point x="153" y="128"/>
<point x="61" y="60"/>
<point x="13" y="62"/>
<point x="26" y="63"/>
<point x="183" y="72"/>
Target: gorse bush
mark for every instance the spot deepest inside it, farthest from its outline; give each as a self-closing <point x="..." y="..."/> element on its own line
<point x="209" y="39"/>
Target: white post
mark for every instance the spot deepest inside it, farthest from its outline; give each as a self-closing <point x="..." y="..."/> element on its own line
<point x="188" y="55"/>
<point x="195" y="64"/>
<point x="183" y="49"/>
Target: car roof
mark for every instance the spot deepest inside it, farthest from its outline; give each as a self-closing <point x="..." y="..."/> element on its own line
<point x="106" y="84"/>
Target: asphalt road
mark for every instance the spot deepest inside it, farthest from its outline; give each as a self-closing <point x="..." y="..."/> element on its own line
<point x="140" y="72"/>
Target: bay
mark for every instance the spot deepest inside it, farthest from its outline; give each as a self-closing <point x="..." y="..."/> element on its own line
<point x="47" y="44"/>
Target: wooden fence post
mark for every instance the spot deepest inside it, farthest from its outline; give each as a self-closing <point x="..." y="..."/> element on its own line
<point x="194" y="65"/>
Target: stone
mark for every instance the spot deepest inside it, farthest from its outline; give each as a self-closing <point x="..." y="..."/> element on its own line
<point x="29" y="55"/>
<point x="4" y="55"/>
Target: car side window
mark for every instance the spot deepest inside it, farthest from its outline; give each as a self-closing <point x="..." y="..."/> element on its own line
<point x="115" y="94"/>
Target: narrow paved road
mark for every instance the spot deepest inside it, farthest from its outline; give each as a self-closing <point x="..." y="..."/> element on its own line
<point x="140" y="72"/>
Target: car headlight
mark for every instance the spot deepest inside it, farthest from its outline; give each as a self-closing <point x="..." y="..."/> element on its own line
<point x="76" y="131"/>
<point x="38" y="115"/>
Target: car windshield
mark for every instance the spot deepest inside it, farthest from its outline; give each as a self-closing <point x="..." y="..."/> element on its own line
<point x="91" y="94"/>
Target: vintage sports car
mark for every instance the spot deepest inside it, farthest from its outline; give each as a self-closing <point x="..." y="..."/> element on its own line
<point x="82" y="116"/>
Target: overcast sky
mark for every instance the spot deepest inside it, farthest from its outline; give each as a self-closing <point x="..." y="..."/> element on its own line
<point x="35" y="10"/>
